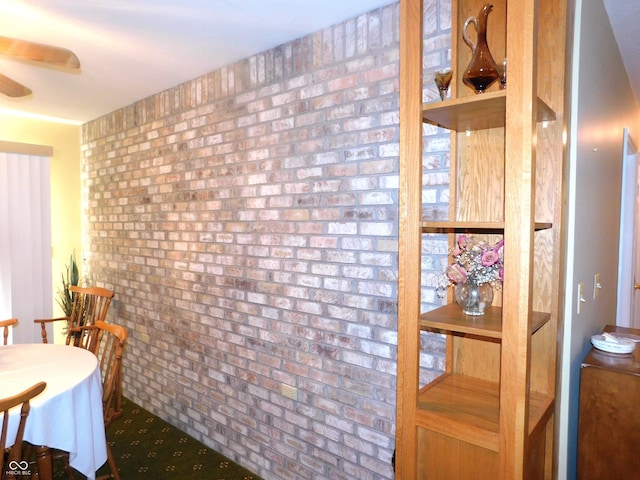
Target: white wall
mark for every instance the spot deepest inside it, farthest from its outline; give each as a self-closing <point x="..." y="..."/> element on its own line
<point x="602" y="105"/>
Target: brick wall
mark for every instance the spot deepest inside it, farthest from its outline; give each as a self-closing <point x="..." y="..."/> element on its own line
<point x="247" y="221"/>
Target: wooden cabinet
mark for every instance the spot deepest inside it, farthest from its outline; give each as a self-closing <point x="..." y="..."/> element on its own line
<point x="609" y="420"/>
<point x="490" y="415"/>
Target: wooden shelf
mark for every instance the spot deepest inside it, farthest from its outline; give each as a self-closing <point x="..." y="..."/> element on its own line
<point x="451" y="319"/>
<point x="477" y="112"/>
<point x="468" y="409"/>
<point x="466" y="227"/>
<point x="490" y="415"/>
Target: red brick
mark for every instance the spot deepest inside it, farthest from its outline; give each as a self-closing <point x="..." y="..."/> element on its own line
<point x="247" y="221"/>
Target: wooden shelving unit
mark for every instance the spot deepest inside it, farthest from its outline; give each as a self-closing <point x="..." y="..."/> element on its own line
<point x="491" y="413"/>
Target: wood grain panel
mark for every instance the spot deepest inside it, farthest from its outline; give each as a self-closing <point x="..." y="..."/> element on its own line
<point x="477" y="358"/>
<point x="542" y="378"/>
<point x="480" y="176"/>
<point x="410" y="235"/>
<point x="451" y="459"/>
<point x="544" y="282"/>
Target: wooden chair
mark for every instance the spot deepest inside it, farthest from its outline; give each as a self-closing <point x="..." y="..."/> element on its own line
<point x="107" y="342"/>
<point x="15" y="454"/>
<point x="5" y="324"/>
<point x="89" y="306"/>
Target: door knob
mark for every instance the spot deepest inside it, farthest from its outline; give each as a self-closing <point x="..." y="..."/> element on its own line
<point x="636" y="286"/>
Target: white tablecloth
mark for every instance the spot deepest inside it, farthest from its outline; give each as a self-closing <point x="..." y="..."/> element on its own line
<point x="67" y="415"/>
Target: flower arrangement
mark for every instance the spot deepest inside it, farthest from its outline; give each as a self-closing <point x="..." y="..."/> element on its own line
<point x="476" y="262"/>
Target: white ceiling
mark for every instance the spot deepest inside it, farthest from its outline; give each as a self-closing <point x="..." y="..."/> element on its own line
<point x="130" y="49"/>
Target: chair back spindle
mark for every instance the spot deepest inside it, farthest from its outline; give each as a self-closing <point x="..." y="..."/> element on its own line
<point x="89" y="305"/>
<point x="5" y="325"/>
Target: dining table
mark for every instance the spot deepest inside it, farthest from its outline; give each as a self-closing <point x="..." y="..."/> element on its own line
<point x="68" y="414"/>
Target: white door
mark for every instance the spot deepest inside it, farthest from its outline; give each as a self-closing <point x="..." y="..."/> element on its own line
<point x="628" y="308"/>
<point x="635" y="323"/>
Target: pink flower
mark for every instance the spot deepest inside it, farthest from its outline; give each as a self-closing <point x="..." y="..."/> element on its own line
<point x="475" y="261"/>
<point x="456" y="274"/>
<point x="489" y="258"/>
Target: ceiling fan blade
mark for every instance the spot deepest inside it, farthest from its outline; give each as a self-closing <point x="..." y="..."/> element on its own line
<point x="12" y="88"/>
<point x="38" y="52"/>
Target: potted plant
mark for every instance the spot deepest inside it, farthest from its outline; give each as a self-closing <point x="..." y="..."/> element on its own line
<point x="70" y="277"/>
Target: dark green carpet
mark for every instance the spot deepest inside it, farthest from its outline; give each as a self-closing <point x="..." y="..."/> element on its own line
<point x="146" y="447"/>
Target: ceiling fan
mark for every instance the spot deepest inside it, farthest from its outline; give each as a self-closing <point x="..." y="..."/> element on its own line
<point x="34" y="52"/>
